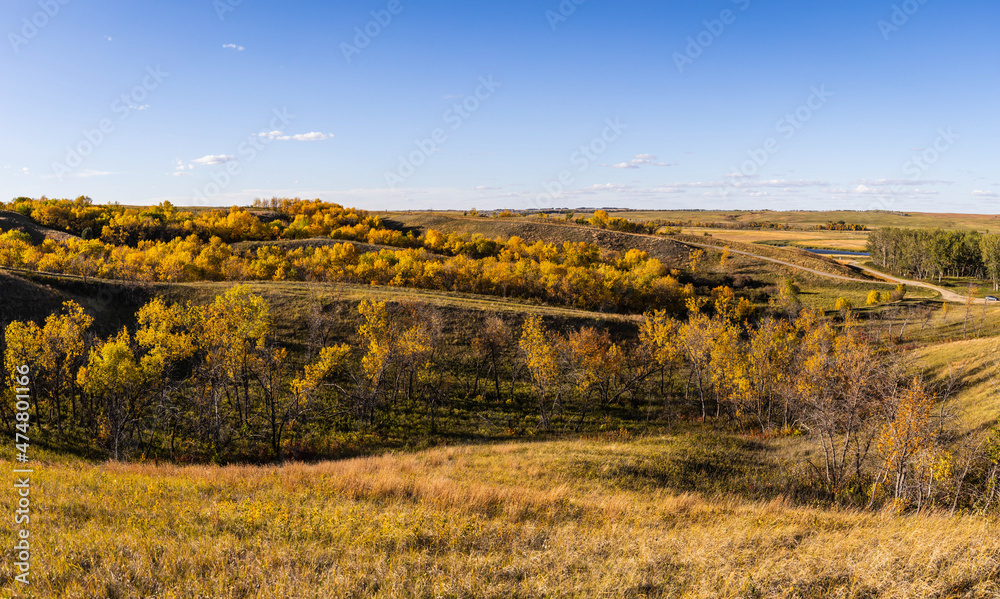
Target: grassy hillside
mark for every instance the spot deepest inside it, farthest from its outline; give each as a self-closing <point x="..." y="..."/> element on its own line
<point x="664" y="249"/>
<point x="611" y="517"/>
<point x="36" y="296"/>
<point x="974" y="367"/>
<point x="12" y="221"/>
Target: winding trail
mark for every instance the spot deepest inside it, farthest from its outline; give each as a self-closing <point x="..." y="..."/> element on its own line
<point x="821" y="273"/>
<point x="946" y="295"/>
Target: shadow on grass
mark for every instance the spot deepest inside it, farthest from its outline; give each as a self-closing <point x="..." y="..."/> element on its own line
<point x="701" y="462"/>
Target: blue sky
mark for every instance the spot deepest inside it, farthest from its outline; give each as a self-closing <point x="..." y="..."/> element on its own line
<point x="710" y="104"/>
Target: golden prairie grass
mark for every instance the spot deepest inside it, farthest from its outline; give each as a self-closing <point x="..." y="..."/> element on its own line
<point x="976" y="364"/>
<point x="544" y="519"/>
<point x="851" y="241"/>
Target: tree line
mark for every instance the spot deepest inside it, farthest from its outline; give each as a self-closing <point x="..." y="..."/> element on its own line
<point x="214" y="381"/>
<point x="580" y="275"/>
<point x="266" y="220"/>
<point x="936" y="253"/>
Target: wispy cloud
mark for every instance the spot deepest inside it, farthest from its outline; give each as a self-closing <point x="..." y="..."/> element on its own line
<point x="784" y="183"/>
<point x="87" y="173"/>
<point x="899" y="182"/>
<point x="213" y="159"/>
<point x="234" y="47"/>
<point x="80" y="174"/>
<point x="598" y="187"/>
<point x="311" y="136"/>
<point x="982" y="193"/>
<point x="639" y="161"/>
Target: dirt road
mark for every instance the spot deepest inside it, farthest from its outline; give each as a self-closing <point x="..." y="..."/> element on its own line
<point x="946" y="295"/>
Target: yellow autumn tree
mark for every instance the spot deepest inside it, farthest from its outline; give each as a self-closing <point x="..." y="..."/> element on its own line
<point x="541" y="359"/>
<point x="377" y="339"/>
<point x="768" y="357"/>
<point x="63" y="349"/>
<point x="595" y="366"/>
<point x="231" y="335"/>
<point x="908" y="445"/>
<point x="119" y="382"/>
<point x="658" y="347"/>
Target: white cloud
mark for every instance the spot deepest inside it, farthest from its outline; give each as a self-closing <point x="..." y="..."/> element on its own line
<point x="311" y="136"/>
<point x="605" y="187"/>
<point x="639" y="160"/>
<point x="108" y="37"/>
<point x="234" y="47"/>
<point x="214" y="159"/>
<point x="982" y="193"/>
<point x="84" y="174"/>
<point x="899" y="182"/>
<point x="786" y="183"/>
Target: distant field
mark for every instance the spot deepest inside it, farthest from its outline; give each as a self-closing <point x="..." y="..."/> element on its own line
<point x="850" y="241"/>
<point x="981" y="222"/>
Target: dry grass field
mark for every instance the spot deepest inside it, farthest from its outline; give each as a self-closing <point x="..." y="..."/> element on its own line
<point x="611" y="517"/>
<point x="851" y="241"/>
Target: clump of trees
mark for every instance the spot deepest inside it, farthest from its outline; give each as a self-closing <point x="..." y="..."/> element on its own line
<point x="213" y="381"/>
<point x="277" y="218"/>
<point x="936" y="253"/>
<point x="839" y="226"/>
<point x="573" y="274"/>
<point x="602" y="220"/>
